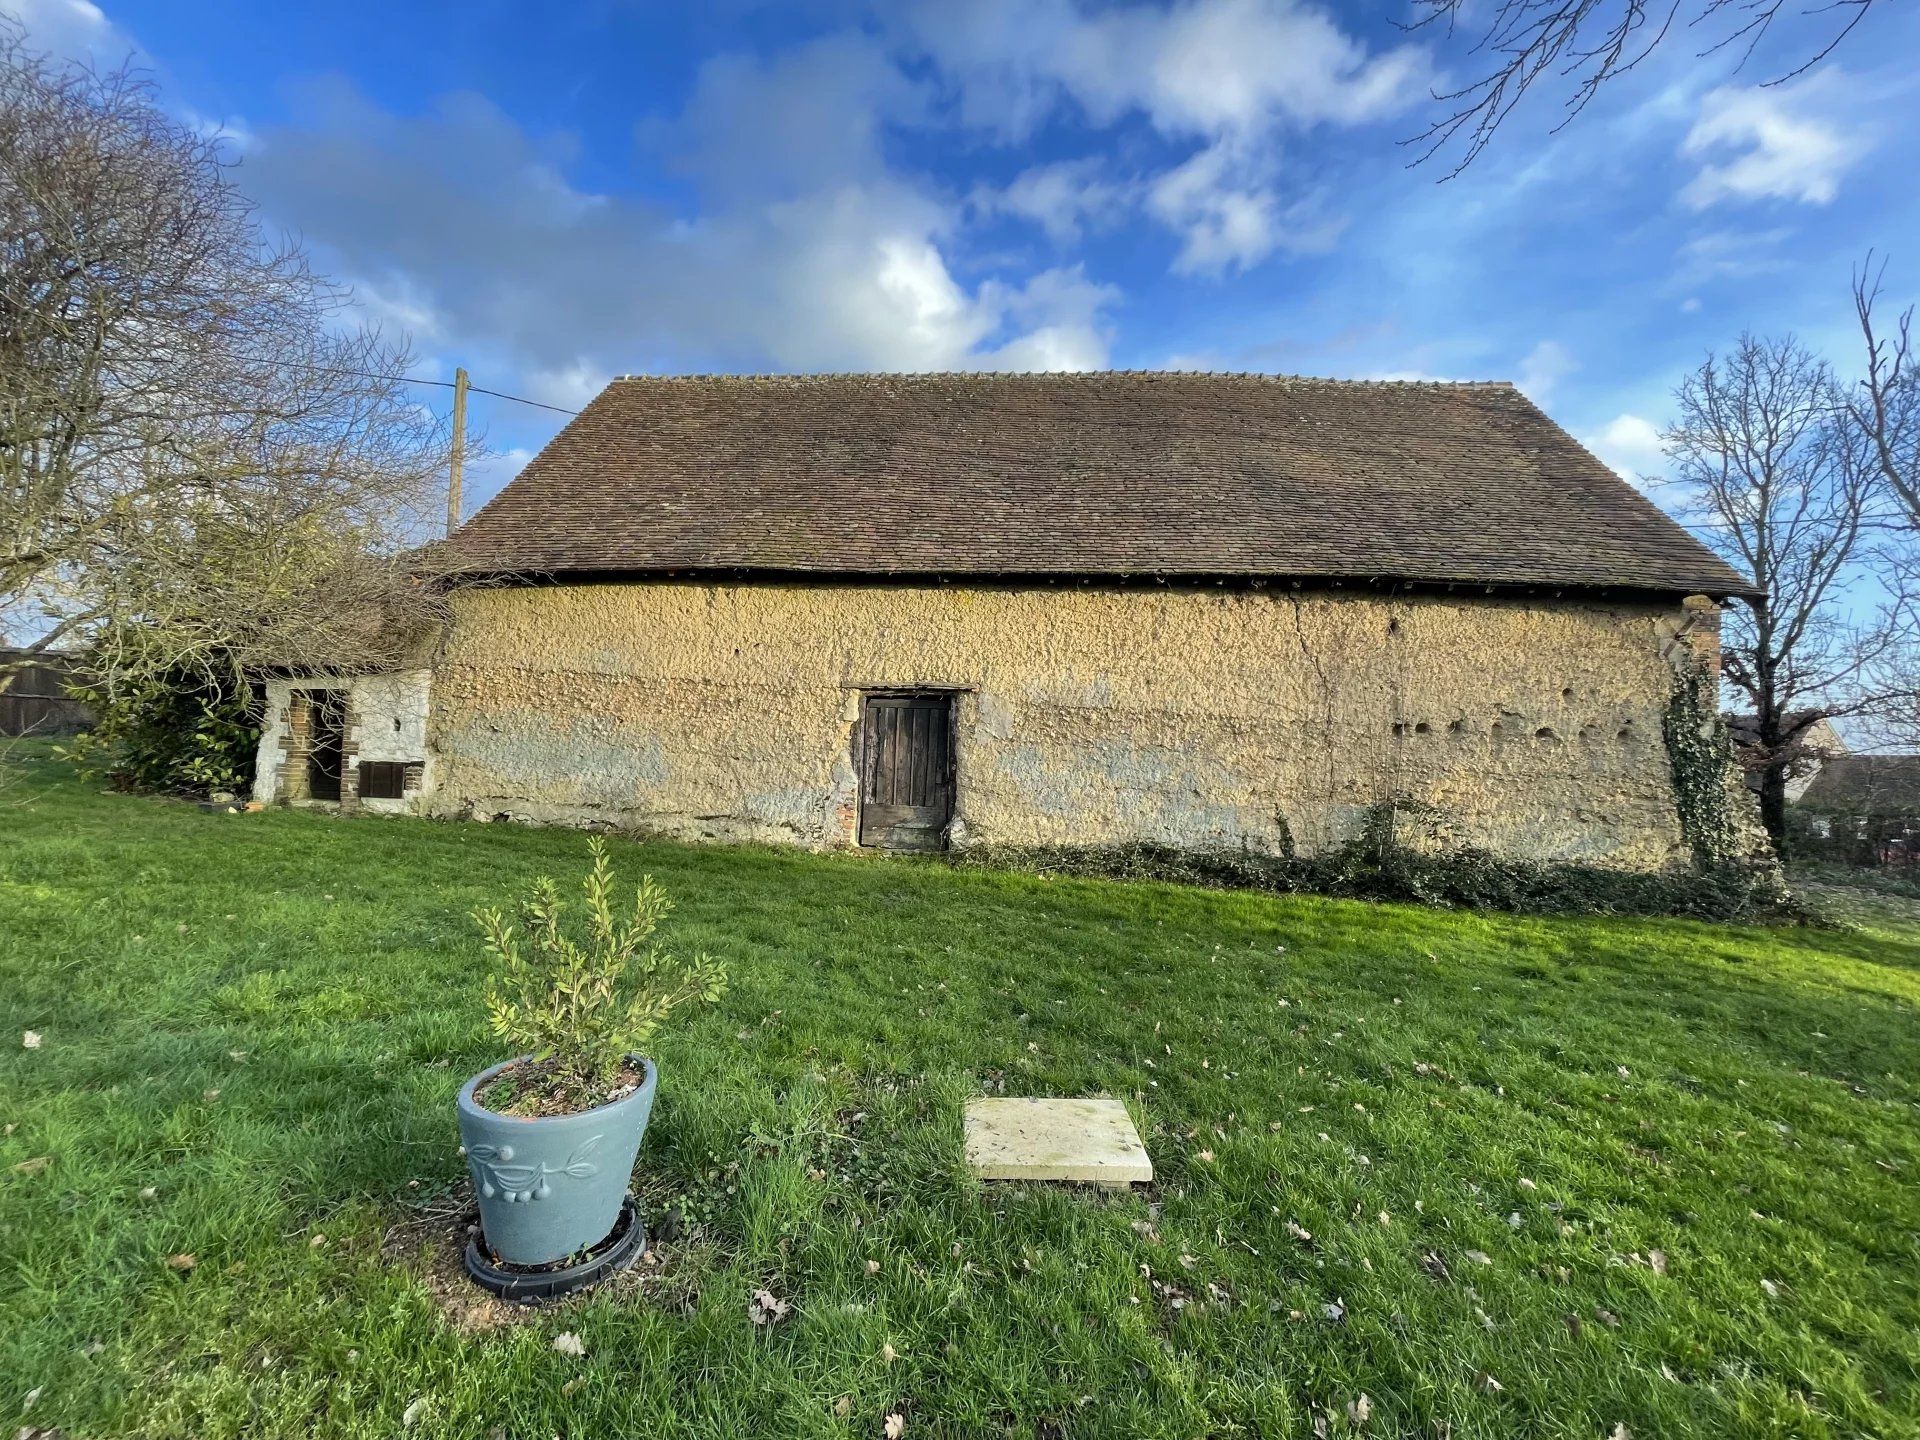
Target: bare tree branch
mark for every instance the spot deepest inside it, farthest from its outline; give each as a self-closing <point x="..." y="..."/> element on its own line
<point x="1583" y="44"/>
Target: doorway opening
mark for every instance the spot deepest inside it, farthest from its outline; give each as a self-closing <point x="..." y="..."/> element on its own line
<point x="326" y="743"/>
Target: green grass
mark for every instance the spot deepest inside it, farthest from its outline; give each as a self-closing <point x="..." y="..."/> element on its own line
<point x="1388" y="1079"/>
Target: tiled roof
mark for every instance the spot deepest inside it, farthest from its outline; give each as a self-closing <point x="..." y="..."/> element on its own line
<point x="1112" y="474"/>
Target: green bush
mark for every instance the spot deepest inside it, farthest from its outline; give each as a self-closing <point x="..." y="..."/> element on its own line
<point x="580" y="1007"/>
<point x="181" y="730"/>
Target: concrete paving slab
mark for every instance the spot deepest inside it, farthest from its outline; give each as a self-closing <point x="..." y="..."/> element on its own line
<point x="1089" y="1140"/>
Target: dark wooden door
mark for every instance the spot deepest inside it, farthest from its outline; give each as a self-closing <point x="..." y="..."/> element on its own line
<point x="326" y="741"/>
<point x="906" y="771"/>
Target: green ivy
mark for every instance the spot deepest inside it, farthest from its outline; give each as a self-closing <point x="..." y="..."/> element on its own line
<point x="1700" y="754"/>
<point x="1401" y="852"/>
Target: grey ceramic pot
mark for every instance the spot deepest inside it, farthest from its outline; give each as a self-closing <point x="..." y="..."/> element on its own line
<point x="551" y="1185"/>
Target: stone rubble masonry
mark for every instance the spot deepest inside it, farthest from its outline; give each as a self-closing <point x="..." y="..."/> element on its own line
<point x="386" y="720"/>
<point x="1085" y="715"/>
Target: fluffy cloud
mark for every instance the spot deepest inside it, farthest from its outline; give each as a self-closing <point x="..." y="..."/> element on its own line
<point x="1065" y="199"/>
<point x="72" y="29"/>
<point x="1234" y="75"/>
<point x="1631" y="445"/>
<point x="1200" y="68"/>
<point x="466" y="228"/>
<point x="1771" y="143"/>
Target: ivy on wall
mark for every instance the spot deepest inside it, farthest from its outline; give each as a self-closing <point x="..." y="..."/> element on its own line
<point x="1400" y="851"/>
<point x="1700" y="754"/>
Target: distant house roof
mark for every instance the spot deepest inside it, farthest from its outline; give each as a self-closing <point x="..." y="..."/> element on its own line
<point x="1866" y="785"/>
<point x="1134" y="474"/>
<point x="1815" y="730"/>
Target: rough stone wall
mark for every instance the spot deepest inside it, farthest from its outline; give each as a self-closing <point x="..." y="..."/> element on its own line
<point x="1088" y="716"/>
<point x="386" y="719"/>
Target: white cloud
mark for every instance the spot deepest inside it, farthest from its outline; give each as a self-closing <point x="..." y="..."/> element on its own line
<point x="568" y="386"/>
<point x="1065" y="199"/>
<point x="1202" y="68"/>
<point x="1235" y="75"/>
<point x="1779" y="143"/>
<point x="71" y="30"/>
<point x="1630" y="444"/>
<point x="459" y="218"/>
<point x="1229" y="215"/>
<point x="1223" y="222"/>
<point x="1544" y="367"/>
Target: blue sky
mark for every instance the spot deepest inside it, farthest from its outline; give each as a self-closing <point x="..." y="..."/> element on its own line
<point x="554" y="194"/>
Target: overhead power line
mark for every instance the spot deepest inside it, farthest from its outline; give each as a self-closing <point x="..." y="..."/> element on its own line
<point x="403" y="380"/>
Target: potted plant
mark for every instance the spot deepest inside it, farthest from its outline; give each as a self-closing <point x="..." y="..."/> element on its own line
<point x="550" y="1135"/>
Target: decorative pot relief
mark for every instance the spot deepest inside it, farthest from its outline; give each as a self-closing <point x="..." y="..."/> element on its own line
<point x="496" y="1174"/>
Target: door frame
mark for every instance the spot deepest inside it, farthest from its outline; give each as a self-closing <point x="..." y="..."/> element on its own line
<point x="948" y="696"/>
<point x="327" y="700"/>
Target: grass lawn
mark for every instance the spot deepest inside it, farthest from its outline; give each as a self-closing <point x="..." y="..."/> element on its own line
<point x="1559" y="1176"/>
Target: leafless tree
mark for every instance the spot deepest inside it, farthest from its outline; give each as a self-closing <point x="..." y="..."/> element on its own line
<point x="1585" y="43"/>
<point x="1778" y="481"/>
<point x="1885" y="404"/>
<point x="198" y="457"/>
<point x="1884" y="408"/>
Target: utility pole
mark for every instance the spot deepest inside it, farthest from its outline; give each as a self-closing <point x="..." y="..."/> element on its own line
<point x="459" y="456"/>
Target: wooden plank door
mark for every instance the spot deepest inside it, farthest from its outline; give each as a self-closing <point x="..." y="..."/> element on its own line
<point x="906" y="771"/>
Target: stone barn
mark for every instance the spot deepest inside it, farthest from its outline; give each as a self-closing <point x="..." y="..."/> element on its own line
<point x="922" y="611"/>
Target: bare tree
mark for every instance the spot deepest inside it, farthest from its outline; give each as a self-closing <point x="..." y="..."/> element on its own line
<point x="1586" y="43"/>
<point x="1885" y="404"/>
<point x="198" y="459"/>
<point x="1884" y="408"/>
<point x="1778" y="482"/>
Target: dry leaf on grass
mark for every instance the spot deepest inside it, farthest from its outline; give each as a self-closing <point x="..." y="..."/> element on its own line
<point x="1359" y="1411"/>
<point x="413" y="1412"/>
<point x="182" y="1262"/>
<point x="767" y="1308"/>
<point x="568" y="1343"/>
<point x="33" y="1166"/>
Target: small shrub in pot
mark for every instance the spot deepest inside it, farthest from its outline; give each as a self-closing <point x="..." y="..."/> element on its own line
<point x="550" y="1135"/>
